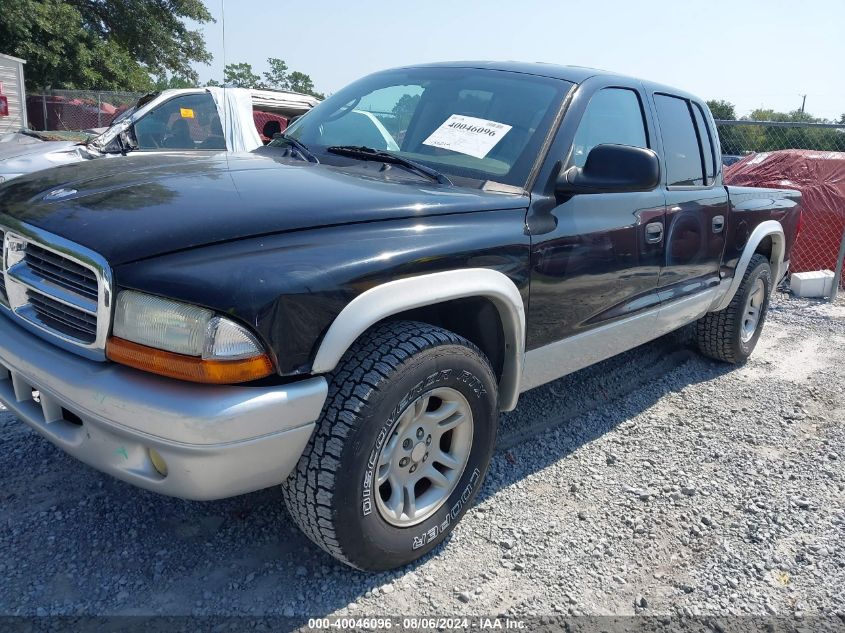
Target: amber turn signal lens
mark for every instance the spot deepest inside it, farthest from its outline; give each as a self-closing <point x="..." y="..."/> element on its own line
<point x="192" y="368"/>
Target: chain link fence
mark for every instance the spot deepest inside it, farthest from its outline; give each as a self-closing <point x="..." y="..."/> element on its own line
<point x="823" y="229"/>
<point x="76" y="110"/>
<point x="739" y="138"/>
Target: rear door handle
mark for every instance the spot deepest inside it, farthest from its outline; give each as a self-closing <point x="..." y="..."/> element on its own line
<point x="718" y="223"/>
<point x="654" y="232"/>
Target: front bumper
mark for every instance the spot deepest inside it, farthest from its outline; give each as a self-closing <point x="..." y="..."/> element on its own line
<point x="217" y="441"/>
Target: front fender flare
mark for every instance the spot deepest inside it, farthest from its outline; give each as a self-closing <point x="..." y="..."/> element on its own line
<point x="400" y="295"/>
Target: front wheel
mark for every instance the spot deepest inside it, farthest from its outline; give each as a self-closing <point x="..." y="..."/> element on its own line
<point x="731" y="334"/>
<point x="402" y="447"/>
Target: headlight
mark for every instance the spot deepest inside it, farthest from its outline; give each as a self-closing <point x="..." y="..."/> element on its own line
<point x="184" y="341"/>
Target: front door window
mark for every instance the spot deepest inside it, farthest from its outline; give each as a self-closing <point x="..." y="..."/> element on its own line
<point x="186" y="122"/>
<point x="613" y="116"/>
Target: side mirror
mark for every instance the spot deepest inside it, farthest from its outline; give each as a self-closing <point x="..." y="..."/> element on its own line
<point x="612" y="169"/>
<point x="120" y="144"/>
<point x="127" y="140"/>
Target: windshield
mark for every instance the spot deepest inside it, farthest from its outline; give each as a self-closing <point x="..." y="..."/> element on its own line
<point x="126" y="113"/>
<point x="99" y="141"/>
<point x="472" y="123"/>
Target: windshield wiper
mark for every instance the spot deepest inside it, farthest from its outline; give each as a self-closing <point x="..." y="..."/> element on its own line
<point x="368" y="153"/>
<point x="299" y="146"/>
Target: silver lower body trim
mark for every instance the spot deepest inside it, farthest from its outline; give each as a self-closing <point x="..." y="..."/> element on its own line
<point x="553" y="361"/>
<point x="217" y="442"/>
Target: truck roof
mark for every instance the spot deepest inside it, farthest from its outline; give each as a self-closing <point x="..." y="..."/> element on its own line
<point x="574" y="74"/>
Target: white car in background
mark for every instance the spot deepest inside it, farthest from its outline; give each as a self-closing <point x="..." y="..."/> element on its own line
<point x="180" y="120"/>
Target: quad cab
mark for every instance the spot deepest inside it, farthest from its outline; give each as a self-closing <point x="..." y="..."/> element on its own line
<point x="346" y="311"/>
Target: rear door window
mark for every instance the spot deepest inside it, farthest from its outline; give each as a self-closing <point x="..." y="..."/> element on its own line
<point x="706" y="144"/>
<point x="613" y="116"/>
<point x="680" y="142"/>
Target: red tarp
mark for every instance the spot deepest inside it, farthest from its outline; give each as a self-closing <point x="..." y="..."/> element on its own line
<point x="262" y="118"/>
<point x="820" y="177"/>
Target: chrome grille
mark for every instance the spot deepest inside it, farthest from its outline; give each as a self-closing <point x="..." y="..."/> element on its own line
<point x="61" y="271"/>
<point x="63" y="318"/>
<point x="56" y="289"/>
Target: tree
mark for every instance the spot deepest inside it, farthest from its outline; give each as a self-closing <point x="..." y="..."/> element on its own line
<point x="766" y="138"/>
<point x="796" y="116"/>
<point x="403" y="112"/>
<point x="406" y="105"/>
<point x="739" y="139"/>
<point x="163" y="82"/>
<point x="722" y="110"/>
<point x="300" y="82"/>
<point x="277" y="76"/>
<point x="729" y="137"/>
<point x="241" y="76"/>
<point x="103" y="44"/>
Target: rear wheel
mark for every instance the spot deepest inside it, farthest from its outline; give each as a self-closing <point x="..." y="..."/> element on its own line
<point x="731" y="334"/>
<point x="403" y="444"/>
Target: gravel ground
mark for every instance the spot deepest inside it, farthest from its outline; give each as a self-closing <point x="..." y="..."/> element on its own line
<point x="657" y="482"/>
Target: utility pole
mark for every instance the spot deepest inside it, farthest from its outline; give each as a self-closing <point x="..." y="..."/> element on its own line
<point x="803" y="103"/>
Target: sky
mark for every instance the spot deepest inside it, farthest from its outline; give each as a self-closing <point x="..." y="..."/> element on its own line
<point x="753" y="53"/>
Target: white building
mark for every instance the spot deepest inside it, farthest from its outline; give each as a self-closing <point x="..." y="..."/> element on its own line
<point x="11" y="80"/>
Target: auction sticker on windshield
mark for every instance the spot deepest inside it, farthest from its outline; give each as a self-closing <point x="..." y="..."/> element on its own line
<point x="468" y="135"/>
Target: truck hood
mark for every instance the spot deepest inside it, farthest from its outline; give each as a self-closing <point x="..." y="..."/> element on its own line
<point x="144" y="206"/>
<point x="30" y="154"/>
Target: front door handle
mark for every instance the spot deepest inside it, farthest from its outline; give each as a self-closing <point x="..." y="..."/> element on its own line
<point x="654" y="232"/>
<point x="718" y="223"/>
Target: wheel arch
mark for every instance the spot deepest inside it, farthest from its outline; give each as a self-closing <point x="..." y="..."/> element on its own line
<point x="767" y="239"/>
<point x="412" y="296"/>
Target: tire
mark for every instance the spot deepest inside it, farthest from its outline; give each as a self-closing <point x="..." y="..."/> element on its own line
<point x="726" y="335"/>
<point x="376" y="398"/>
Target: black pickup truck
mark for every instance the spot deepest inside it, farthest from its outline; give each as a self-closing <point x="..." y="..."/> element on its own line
<point x="346" y="312"/>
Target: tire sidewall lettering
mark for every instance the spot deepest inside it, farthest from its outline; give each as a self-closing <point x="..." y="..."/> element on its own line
<point x="416" y="391"/>
<point x="452" y="515"/>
